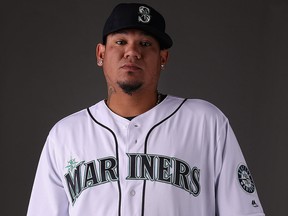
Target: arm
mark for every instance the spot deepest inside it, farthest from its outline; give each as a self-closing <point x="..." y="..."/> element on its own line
<point x="48" y="197"/>
<point x="235" y="189"/>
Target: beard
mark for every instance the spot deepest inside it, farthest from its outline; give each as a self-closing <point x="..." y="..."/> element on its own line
<point x="129" y="88"/>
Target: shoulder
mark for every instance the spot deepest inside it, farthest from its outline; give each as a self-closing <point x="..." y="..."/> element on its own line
<point x="73" y="122"/>
<point x="203" y="106"/>
<point x="198" y="110"/>
<point x="198" y="107"/>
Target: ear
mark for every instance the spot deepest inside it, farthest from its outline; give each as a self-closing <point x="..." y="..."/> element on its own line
<point x="164" y="56"/>
<point x="100" y="52"/>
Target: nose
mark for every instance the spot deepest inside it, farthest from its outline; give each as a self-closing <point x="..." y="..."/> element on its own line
<point x="132" y="51"/>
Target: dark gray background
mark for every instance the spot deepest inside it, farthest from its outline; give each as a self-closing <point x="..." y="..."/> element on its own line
<point x="231" y="53"/>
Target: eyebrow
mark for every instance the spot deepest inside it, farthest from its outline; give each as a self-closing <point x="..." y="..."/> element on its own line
<point x="145" y="33"/>
<point x="125" y="31"/>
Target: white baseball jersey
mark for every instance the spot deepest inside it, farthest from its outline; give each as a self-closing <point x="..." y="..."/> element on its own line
<point x="180" y="158"/>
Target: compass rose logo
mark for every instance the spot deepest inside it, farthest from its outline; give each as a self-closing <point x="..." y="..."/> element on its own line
<point x="71" y="165"/>
<point x="245" y="179"/>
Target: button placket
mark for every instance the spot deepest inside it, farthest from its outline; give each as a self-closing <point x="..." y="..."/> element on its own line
<point x="135" y="132"/>
<point x="133" y="188"/>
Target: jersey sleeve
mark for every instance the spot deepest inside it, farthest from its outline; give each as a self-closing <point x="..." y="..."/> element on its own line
<point x="48" y="197"/>
<point x="236" y="193"/>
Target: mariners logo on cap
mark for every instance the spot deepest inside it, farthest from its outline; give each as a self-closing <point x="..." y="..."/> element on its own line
<point x="144" y="14"/>
<point x="245" y="179"/>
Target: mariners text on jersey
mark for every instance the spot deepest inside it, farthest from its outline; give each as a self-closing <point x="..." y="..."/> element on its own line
<point x="141" y="167"/>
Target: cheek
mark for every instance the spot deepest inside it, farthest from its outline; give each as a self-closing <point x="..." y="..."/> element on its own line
<point x="111" y="60"/>
<point x="154" y="63"/>
<point x="113" y="52"/>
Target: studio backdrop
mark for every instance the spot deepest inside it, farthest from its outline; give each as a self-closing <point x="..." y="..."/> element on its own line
<point x="230" y="53"/>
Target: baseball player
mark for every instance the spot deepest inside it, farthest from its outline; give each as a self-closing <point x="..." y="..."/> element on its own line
<point x="140" y="152"/>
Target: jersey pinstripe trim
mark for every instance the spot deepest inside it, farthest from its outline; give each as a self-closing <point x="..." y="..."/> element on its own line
<point x="145" y="149"/>
<point x="117" y="156"/>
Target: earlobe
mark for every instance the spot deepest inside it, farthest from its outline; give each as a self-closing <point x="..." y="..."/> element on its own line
<point x="100" y="62"/>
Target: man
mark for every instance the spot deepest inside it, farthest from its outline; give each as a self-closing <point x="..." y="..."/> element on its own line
<point x="140" y="152"/>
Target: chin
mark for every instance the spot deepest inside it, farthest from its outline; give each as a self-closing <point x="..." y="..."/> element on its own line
<point x="130" y="87"/>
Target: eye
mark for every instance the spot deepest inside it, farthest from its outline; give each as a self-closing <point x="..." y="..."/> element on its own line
<point x="120" y="42"/>
<point x="145" y="43"/>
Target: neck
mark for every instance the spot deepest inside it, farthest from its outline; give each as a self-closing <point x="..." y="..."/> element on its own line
<point x="135" y="104"/>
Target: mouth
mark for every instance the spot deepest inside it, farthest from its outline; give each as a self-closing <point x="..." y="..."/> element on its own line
<point x="131" y="67"/>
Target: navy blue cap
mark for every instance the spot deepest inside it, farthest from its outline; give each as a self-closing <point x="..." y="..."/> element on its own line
<point x="138" y="16"/>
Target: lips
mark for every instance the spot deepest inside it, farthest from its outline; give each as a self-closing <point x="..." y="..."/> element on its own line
<point x="131" y="67"/>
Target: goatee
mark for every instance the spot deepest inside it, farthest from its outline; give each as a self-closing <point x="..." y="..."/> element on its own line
<point x="129" y="88"/>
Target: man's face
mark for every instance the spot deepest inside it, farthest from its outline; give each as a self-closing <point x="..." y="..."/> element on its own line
<point x="131" y="61"/>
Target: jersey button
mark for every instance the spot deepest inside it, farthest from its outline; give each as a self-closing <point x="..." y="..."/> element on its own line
<point x="132" y="193"/>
